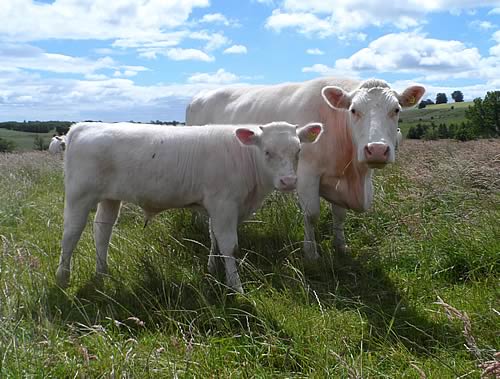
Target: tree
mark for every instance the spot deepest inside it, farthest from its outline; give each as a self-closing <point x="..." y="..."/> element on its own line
<point x="441" y="98"/>
<point x="458" y="96"/>
<point x="6" y="145"/>
<point x="484" y="115"/>
<point x="422" y="104"/>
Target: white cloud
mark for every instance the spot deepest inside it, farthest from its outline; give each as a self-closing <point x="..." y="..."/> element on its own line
<point x="25" y="95"/>
<point x="218" y="18"/>
<point x="315" y="51"/>
<point x="178" y="54"/>
<point x="482" y="25"/>
<point x="23" y="56"/>
<point x="94" y="19"/>
<point x="236" y="49"/>
<point x="325" y="70"/>
<point x="410" y="53"/>
<point x="219" y="77"/>
<point x="343" y="18"/>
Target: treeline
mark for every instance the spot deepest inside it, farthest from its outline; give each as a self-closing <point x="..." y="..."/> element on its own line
<point x="61" y="127"/>
<point x="482" y="121"/>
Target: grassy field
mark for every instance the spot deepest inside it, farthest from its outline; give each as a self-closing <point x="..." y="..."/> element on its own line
<point x="440" y="113"/>
<point x="433" y="233"/>
<point x="24" y="140"/>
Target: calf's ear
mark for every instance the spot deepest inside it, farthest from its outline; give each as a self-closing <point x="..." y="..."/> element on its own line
<point x="336" y="97"/>
<point x="310" y="133"/>
<point x="247" y="136"/>
<point x="411" y="96"/>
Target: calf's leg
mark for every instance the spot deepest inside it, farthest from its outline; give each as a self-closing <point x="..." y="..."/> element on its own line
<point x="212" y="258"/>
<point x="105" y="217"/>
<point x="76" y="212"/>
<point x="224" y="224"/>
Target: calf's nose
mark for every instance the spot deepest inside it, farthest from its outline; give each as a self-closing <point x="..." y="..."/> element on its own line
<point x="289" y="182"/>
<point x="377" y="152"/>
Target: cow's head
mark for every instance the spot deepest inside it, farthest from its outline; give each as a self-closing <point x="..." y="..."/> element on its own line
<point x="374" y="113"/>
<point x="279" y="145"/>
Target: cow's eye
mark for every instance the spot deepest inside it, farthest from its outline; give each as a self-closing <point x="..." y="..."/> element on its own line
<point x="396" y="111"/>
<point x="268" y="154"/>
<point x="353" y="111"/>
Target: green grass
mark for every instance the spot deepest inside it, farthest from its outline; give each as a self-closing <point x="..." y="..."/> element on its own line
<point x="440" y="113"/>
<point x="24" y="140"/>
<point x="370" y="313"/>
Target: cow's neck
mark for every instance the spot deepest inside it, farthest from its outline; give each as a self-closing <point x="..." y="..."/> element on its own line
<point x="345" y="181"/>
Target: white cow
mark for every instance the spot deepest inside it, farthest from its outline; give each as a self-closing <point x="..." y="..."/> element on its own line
<point x="360" y="121"/>
<point x="57" y="144"/>
<point x="399" y="139"/>
<point x="225" y="170"/>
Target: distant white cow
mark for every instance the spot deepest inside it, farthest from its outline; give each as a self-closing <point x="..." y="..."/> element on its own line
<point x="57" y="144"/>
<point x="360" y="121"/>
<point x="399" y="139"/>
<point x="224" y="169"/>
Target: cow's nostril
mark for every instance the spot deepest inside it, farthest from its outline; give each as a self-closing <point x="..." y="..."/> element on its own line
<point x="386" y="150"/>
<point x="367" y="150"/>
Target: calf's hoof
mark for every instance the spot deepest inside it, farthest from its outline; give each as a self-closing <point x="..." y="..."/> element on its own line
<point x="310" y="251"/>
<point x="62" y="277"/>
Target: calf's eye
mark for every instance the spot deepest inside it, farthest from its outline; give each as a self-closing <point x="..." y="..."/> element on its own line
<point x="353" y="111"/>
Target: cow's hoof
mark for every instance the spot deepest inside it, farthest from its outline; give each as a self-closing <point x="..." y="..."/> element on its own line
<point x="62" y="277"/>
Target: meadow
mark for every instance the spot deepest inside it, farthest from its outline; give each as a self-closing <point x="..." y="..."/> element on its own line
<point x="433" y="233"/>
<point x="438" y="113"/>
<point x="24" y="140"/>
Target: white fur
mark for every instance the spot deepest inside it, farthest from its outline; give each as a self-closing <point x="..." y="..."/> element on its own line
<point x="335" y="168"/>
<point x="159" y="168"/>
<point x="57" y="144"/>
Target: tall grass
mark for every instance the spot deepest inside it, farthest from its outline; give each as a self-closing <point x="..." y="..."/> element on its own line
<point x="433" y="231"/>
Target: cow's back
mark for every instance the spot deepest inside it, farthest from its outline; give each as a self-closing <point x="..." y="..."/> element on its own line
<point x="297" y="103"/>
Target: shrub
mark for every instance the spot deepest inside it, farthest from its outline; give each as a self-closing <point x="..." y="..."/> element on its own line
<point x="464" y="132"/>
<point x="431" y="134"/>
<point x="39" y="143"/>
<point x="6" y="145"/>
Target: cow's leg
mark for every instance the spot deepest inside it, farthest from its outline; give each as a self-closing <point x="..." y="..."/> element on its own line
<point x="339" y="215"/>
<point x="308" y="193"/>
<point x="224" y="225"/>
<point x="105" y="217"/>
<point x="76" y="213"/>
<point x="212" y="258"/>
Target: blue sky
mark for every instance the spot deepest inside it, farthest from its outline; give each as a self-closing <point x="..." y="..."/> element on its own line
<point x="144" y="59"/>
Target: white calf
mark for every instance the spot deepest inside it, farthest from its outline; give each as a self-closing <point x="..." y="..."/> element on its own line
<point x="224" y="169"/>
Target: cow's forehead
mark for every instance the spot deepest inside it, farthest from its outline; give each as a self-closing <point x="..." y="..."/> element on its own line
<point x="280" y="140"/>
<point x="375" y="97"/>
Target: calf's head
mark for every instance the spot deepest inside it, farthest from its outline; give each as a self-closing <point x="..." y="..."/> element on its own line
<point x="374" y="113"/>
<point x="279" y="145"/>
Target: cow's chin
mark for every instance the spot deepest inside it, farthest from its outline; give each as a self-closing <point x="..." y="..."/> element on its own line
<point x="378" y="165"/>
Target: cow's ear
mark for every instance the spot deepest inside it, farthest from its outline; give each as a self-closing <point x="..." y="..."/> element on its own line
<point x="310" y="133"/>
<point x="411" y="96"/>
<point x="247" y="136"/>
<point x="336" y="97"/>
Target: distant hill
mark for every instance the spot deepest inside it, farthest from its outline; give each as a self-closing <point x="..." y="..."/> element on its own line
<point x="440" y="113"/>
